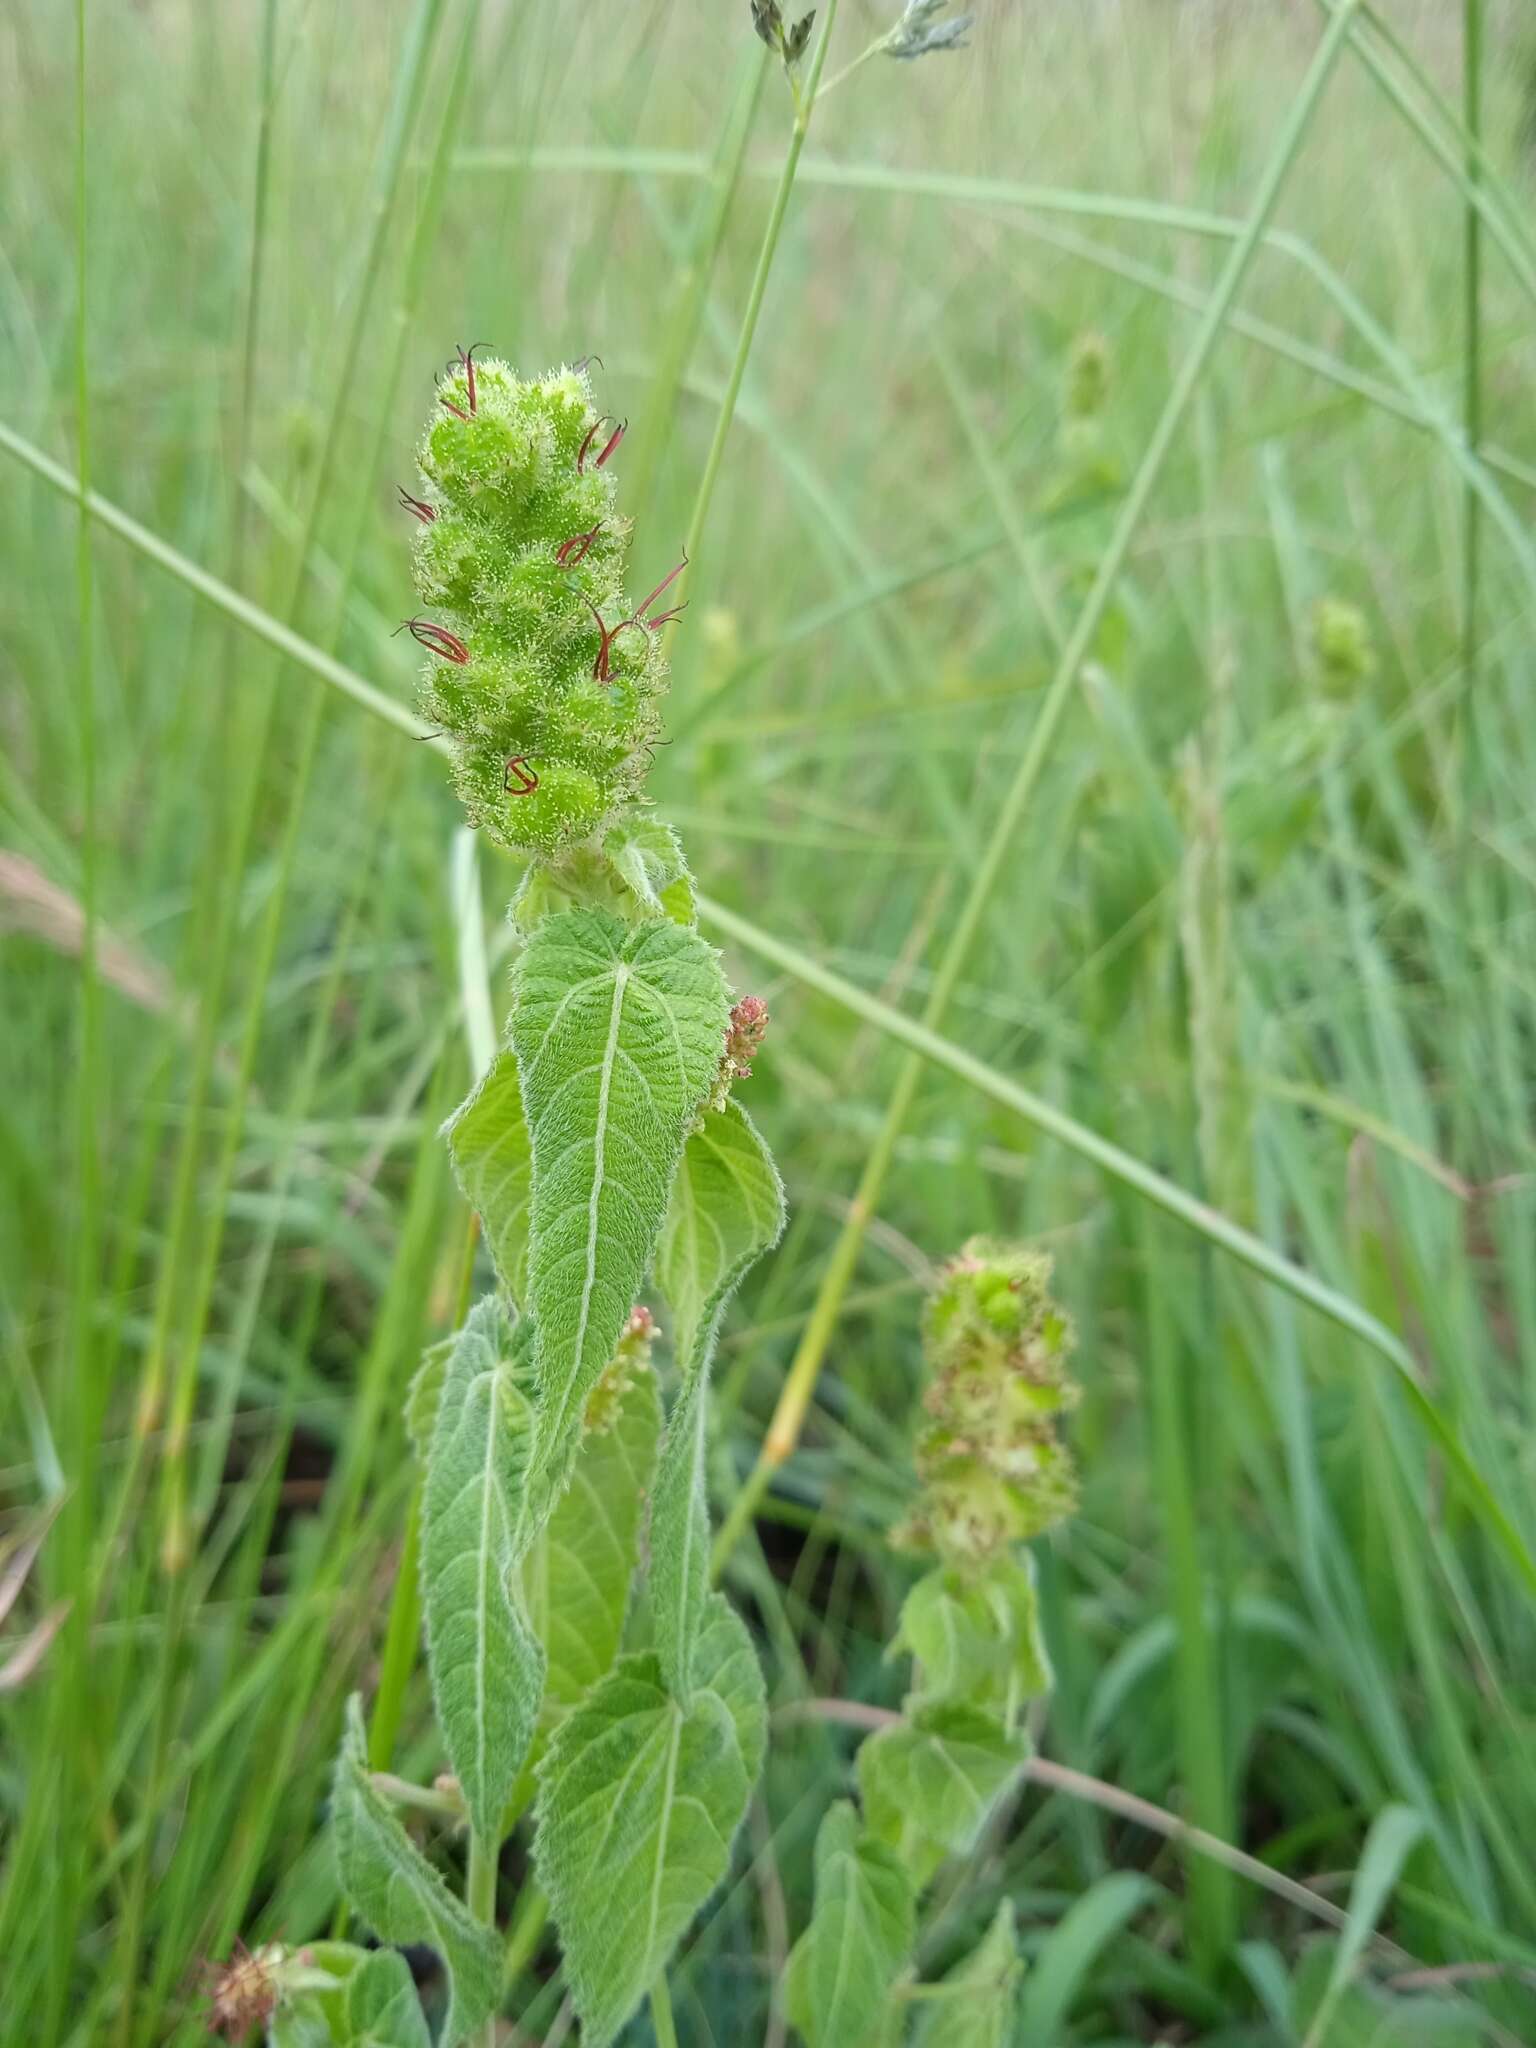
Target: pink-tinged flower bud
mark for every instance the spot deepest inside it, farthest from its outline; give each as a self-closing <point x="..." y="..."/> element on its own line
<point x="744" y="1035"/>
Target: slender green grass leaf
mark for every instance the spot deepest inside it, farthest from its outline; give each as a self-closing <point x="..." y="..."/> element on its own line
<point x="1164" y="1194"/>
<point x="727" y="1209"/>
<point x="1394" y="1834"/>
<point x="487" y="1664"/>
<point x="383" y="2010"/>
<point x="492" y="1159"/>
<point x="981" y="1993"/>
<point x="930" y="1782"/>
<point x="618" y="1032"/>
<point x="1071" y="1948"/>
<point x="977" y="1638"/>
<point x="578" y="1570"/>
<point x="398" y="1893"/>
<point x="842" y="1969"/>
<point x="639" y="1799"/>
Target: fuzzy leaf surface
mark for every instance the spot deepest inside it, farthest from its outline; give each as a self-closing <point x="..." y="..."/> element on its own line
<point x="578" y="1572"/>
<point x="640" y="1798"/>
<point x="726" y="1663"/>
<point x="397" y="1892"/>
<point x="977" y="1640"/>
<point x="422" y="1394"/>
<point x="383" y="2010"/>
<point x="618" y="1031"/>
<point x="493" y="1162"/>
<point x="487" y="1663"/>
<point x="985" y="1988"/>
<point x="727" y="1209"/>
<point x="841" y="1970"/>
<point x="928" y="1783"/>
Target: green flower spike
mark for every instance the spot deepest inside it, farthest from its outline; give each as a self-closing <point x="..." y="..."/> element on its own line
<point x="994" y="1473"/>
<point x="542" y="674"/>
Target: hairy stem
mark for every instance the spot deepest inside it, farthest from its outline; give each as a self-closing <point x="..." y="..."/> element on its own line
<point x="480" y="1896"/>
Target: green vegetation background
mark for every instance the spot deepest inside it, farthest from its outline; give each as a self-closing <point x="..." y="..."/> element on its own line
<point x="1268" y="927"/>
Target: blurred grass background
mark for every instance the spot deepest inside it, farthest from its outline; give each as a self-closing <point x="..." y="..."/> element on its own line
<point x="1268" y="927"/>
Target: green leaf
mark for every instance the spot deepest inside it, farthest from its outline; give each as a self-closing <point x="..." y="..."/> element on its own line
<point x="618" y="1031"/>
<point x="312" y="1995"/>
<point x="977" y="1639"/>
<point x="638" y="873"/>
<point x="980" y="1994"/>
<point x="423" y="1394"/>
<point x="493" y="1161"/>
<point x="300" y="2025"/>
<point x="1394" y="1834"/>
<point x="639" y="1800"/>
<point x="649" y="857"/>
<point x="929" y="1783"/>
<point x="486" y="1662"/>
<point x="398" y="1893"/>
<point x="577" y="1573"/>
<point x="727" y="1209"/>
<point x="1065" y="1959"/>
<point x="726" y="1664"/>
<point x="383" y="2010"/>
<point x="841" y="1970"/>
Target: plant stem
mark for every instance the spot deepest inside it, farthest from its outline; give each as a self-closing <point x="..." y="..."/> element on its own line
<point x="524" y="1935"/>
<point x="80" y="1384"/>
<point x="840" y="77"/>
<point x="800" y="1383"/>
<point x="706" y="237"/>
<point x="480" y="1888"/>
<point x="1472" y="391"/>
<point x="661" y="2013"/>
<point x="480" y="1896"/>
<point x="765" y="255"/>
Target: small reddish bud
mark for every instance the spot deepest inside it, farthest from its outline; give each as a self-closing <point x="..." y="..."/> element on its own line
<point x="744" y="1035"/>
<point x="436" y="639"/>
<point x="423" y="511"/>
